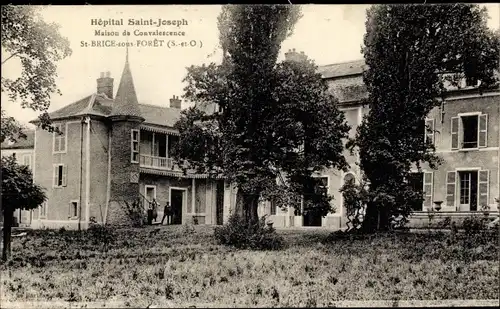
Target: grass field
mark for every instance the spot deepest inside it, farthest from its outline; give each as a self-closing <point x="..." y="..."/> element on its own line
<point x="184" y="265"/>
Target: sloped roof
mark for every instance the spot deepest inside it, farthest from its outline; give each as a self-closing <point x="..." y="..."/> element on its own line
<point x="159" y="115"/>
<point x="77" y="108"/>
<point x="341" y="69"/>
<point x="126" y="103"/>
<point x="27" y="143"/>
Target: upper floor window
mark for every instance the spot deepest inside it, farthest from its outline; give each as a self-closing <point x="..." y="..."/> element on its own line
<point x="134" y="146"/>
<point x="60" y="172"/>
<point x="59" y="141"/>
<point x="429" y="131"/>
<point x="27" y="160"/>
<point x="469" y="131"/>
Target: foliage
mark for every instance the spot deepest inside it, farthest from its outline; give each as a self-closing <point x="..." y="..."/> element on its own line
<point x="102" y="235"/>
<point x="355" y="197"/>
<point x="18" y="192"/>
<point x="242" y="234"/>
<point x="264" y="126"/>
<point x="18" y="189"/>
<point x="135" y="212"/>
<point x="410" y="51"/>
<point x="39" y="46"/>
<point x="178" y="270"/>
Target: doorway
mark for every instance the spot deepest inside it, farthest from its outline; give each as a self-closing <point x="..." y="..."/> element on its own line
<point x="468" y="190"/>
<point x="176" y="202"/>
<point x="150" y="194"/>
<point x="219" y="203"/>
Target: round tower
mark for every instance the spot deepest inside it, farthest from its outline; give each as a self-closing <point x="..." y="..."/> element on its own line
<point x="125" y="121"/>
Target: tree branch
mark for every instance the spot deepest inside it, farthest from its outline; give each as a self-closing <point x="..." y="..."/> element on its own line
<point x="14" y="54"/>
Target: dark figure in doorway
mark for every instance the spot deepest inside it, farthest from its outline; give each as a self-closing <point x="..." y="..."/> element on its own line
<point x="167" y="212"/>
<point x="155" y="210"/>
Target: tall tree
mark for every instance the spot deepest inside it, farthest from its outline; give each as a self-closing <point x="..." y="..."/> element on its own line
<point x="271" y="121"/>
<point x="410" y="52"/>
<point x="39" y="46"/>
<point x="18" y="192"/>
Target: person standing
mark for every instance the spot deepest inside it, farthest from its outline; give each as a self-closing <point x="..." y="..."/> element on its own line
<point x="167" y="213"/>
<point x="155" y="210"/>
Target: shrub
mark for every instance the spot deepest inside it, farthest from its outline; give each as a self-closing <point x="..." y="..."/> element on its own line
<point x="239" y="233"/>
<point x="101" y="235"/>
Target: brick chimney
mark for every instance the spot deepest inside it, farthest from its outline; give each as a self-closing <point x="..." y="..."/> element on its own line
<point x="105" y="84"/>
<point x="175" y="102"/>
<point x="292" y="55"/>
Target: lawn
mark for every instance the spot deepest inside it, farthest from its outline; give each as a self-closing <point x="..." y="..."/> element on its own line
<point x="180" y="266"/>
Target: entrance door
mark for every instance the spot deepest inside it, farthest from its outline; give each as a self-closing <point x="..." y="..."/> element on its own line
<point x="219" y="203"/>
<point x="176" y="202"/>
<point x="468" y="190"/>
<point x="150" y="195"/>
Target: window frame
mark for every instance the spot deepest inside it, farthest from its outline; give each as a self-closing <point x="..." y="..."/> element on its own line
<point x="134" y="141"/>
<point x="63" y="175"/>
<point x="70" y="205"/>
<point x="62" y="138"/>
<point x="27" y="155"/>
<point x="43" y="214"/>
<point x="460" y="132"/>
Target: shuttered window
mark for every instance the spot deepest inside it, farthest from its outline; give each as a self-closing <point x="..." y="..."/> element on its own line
<point x="60" y="175"/>
<point x="429" y="131"/>
<point x="469" y="131"/>
<point x="484" y="177"/>
<point x="428" y="189"/>
<point x="450" y="188"/>
<point x="483" y="130"/>
<point x="59" y="139"/>
<point x="455" y="123"/>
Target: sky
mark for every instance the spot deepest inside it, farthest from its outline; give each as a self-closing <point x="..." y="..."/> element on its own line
<point x="325" y="33"/>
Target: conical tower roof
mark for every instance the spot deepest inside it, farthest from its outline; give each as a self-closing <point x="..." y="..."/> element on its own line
<point x="126" y="103"/>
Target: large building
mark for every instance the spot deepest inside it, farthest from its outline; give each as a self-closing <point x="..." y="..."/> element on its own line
<point x="115" y="150"/>
<point x="466" y="137"/>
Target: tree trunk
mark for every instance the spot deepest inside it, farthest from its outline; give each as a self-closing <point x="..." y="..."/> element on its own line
<point x="375" y="219"/>
<point x="7" y="233"/>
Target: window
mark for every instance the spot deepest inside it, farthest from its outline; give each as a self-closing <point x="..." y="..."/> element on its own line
<point x="417" y="183"/>
<point x="135" y="146"/>
<point x="469" y="131"/>
<point x="73" y="209"/>
<point x="473" y="189"/>
<point x="27" y="160"/>
<point x="429" y="131"/>
<point x="272" y="204"/>
<point x="59" y="141"/>
<point x="422" y="182"/>
<point x="43" y="210"/>
<point x="59" y="175"/>
<point x="349" y="179"/>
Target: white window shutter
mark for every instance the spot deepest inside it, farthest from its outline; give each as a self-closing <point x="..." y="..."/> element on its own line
<point x="455" y="123"/>
<point x="483" y="130"/>
<point x="64" y="175"/>
<point x="56" y="174"/>
<point x="429" y="130"/>
<point x="484" y="186"/>
<point x="451" y="178"/>
<point x="428" y="189"/>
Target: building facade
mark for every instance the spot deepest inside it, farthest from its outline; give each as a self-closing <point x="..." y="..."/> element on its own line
<point x="466" y="136"/>
<point x="111" y="152"/>
<point x="23" y="152"/>
<point x="114" y="150"/>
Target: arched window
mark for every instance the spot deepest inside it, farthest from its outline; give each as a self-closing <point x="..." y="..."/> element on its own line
<point x="349" y="178"/>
